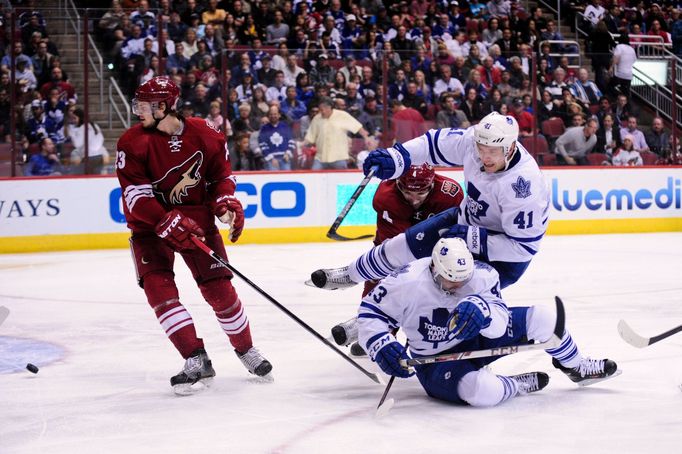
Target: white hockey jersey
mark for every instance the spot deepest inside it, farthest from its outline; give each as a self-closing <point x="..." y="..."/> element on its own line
<point x="411" y="299"/>
<point x="512" y="205"/>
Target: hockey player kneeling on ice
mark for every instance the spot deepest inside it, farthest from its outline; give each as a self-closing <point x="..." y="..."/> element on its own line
<point x="176" y="177"/>
<point x="451" y="303"/>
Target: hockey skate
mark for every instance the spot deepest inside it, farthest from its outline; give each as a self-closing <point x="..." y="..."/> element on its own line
<point x="255" y="363"/>
<point x="531" y="382"/>
<point x="196" y="375"/>
<point x="346" y="333"/>
<point x="331" y="279"/>
<point x="589" y="371"/>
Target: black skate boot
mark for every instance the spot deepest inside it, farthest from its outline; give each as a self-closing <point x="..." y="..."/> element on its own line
<point x="357" y="350"/>
<point x="254" y="362"/>
<point x="589" y="371"/>
<point x="531" y="382"/>
<point x="331" y="279"/>
<point x="197" y="374"/>
<point x="345" y="333"/>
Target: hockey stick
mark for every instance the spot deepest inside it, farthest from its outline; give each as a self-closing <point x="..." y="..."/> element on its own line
<point x="384" y="408"/>
<point x="638" y="341"/>
<point x="303" y="324"/>
<point x="554" y="342"/>
<point x="4" y="312"/>
<point x="331" y="234"/>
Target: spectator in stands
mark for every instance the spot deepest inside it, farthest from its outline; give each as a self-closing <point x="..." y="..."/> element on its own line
<point x="198" y="56"/>
<point x="505" y="87"/>
<point x="259" y="105"/>
<point x="176" y="28"/>
<point x="370" y="116"/>
<point x="612" y="18"/>
<point x="243" y="68"/>
<point x="508" y="44"/>
<point x="600" y="43"/>
<point x="408" y="123"/>
<point x="558" y="83"/>
<point x="414" y="99"/>
<point x="329" y="132"/>
<point x="594" y="12"/>
<point x="338" y="90"/>
<point x="574" y="144"/>
<point x="354" y="99"/>
<point x="305" y="91"/>
<point x="471" y="106"/>
<point x="447" y="83"/>
<point x="134" y="45"/>
<point x="5" y="120"/>
<point x="242" y="157"/>
<point x="624" y="58"/>
<point x="676" y="32"/>
<point x="398" y="89"/>
<point x="24" y="77"/>
<point x="638" y="141"/>
<point x="45" y="162"/>
<point x="547" y="108"/>
<point x="627" y="155"/>
<point x="403" y="44"/>
<point x="276" y="142"/>
<point x="499" y="8"/>
<point x="42" y="62"/>
<point x="523" y="118"/>
<point x="215" y="118"/>
<point x="624" y="110"/>
<point x="657" y="139"/>
<point x="608" y="137"/>
<point x="39" y="125"/>
<point x="190" y="43"/>
<point x="451" y="117"/>
<point x="492" y="33"/>
<point x="291" y="107"/>
<point x="278" y="31"/>
<point x="245" y="89"/>
<point x="19" y="55"/>
<point x="276" y="92"/>
<point x="98" y="155"/>
<point x="516" y="75"/>
<point x="177" y="62"/>
<point x="213" y="15"/>
<point x="530" y="34"/>
<point x="493" y="103"/>
<point x="656" y="30"/>
<point x="490" y="74"/>
<point x="585" y="90"/>
<point x="291" y="71"/>
<point x="475" y="83"/>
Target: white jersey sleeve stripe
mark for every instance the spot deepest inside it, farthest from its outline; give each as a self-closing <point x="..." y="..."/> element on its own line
<point x="376" y="310"/>
<point x="133" y="193"/>
<point x="438" y="152"/>
<point x="526" y="240"/>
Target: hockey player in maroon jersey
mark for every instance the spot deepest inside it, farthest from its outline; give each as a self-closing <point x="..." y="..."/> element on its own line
<point x="417" y="195"/>
<point x="176" y="177"/>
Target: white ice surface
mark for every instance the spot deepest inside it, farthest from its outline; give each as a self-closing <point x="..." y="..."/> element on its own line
<point x="109" y="393"/>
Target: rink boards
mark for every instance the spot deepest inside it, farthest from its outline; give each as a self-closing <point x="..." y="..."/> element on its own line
<point x="86" y="213"/>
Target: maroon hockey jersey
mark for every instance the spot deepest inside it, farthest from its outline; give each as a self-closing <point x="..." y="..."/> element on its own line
<point x="395" y="215"/>
<point x="160" y="172"/>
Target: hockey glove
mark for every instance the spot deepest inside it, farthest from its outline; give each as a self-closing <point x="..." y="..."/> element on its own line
<point x="475" y="237"/>
<point x="391" y="163"/>
<point x="471" y="315"/>
<point x="229" y="210"/>
<point x="177" y="229"/>
<point x="387" y="352"/>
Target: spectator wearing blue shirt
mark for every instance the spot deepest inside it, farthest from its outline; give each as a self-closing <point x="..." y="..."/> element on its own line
<point x="40" y="125"/>
<point x="177" y="62"/>
<point x="45" y="162"/>
<point x="292" y="108"/>
<point x="276" y="142"/>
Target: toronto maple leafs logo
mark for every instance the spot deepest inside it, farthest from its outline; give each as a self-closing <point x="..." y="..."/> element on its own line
<point x="173" y="186"/>
<point x="436" y="329"/>
<point x="476" y="207"/>
<point x="521" y="188"/>
<point x="276" y="139"/>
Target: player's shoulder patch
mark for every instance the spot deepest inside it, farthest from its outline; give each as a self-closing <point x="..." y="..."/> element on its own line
<point x="450" y="188"/>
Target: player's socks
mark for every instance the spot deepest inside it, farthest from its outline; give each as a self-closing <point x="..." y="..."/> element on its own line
<point x="235" y="324"/>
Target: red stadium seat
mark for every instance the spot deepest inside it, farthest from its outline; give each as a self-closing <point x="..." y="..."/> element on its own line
<point x="553" y="127"/>
<point x="596" y="159"/>
<point x="535" y="145"/>
<point x="649" y="158"/>
<point x="547" y="159"/>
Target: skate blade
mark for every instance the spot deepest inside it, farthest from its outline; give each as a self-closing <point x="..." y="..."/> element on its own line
<point x="592" y="381"/>
<point x="384" y="408"/>
<point x="186" y="389"/>
<point x="309" y="283"/>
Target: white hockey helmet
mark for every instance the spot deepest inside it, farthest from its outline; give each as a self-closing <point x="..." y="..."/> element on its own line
<point x="452" y="260"/>
<point x="496" y="130"/>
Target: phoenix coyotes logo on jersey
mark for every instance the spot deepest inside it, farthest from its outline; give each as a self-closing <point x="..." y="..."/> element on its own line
<point x="436" y="329"/>
<point x="172" y="188"/>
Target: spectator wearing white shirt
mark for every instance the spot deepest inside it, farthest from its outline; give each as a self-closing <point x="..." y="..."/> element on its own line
<point x="447" y="83"/>
<point x="594" y="12"/>
<point x="627" y="155"/>
<point x="624" y="57"/>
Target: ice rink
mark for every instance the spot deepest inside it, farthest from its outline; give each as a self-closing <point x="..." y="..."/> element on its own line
<point x="105" y="364"/>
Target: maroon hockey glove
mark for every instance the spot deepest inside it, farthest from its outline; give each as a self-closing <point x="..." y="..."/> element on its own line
<point x="229" y="210"/>
<point x="178" y="229"/>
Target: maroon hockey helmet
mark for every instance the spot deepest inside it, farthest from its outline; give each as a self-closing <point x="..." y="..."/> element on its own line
<point x="418" y="178"/>
<point x="156" y="90"/>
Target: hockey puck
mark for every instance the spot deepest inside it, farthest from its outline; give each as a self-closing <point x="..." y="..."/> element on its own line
<point x="32" y="368"/>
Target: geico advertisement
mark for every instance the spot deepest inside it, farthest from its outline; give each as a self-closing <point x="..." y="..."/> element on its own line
<point x="270" y="200"/>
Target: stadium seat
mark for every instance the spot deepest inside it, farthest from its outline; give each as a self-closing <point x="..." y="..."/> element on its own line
<point x="596" y="159"/>
<point x="649" y="158"/>
<point x="553" y="127"/>
<point x="547" y="159"/>
<point x="535" y="145"/>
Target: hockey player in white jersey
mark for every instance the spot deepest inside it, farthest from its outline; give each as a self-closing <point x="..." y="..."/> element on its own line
<point x="450" y="303"/>
<point x="503" y="218"/>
